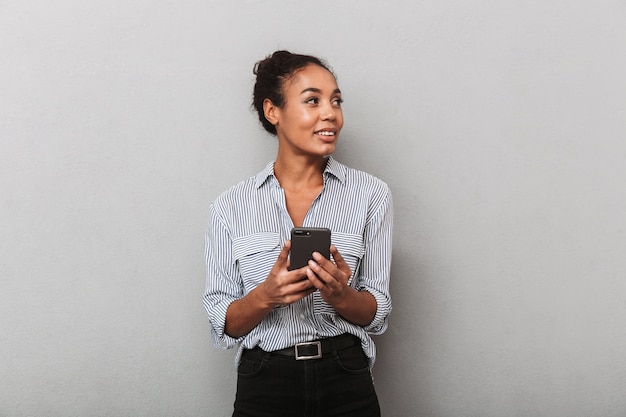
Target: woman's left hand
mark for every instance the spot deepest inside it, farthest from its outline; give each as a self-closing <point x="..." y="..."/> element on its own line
<point x="331" y="279"/>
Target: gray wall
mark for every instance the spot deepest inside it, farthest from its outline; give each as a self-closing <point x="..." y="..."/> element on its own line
<point x="500" y="127"/>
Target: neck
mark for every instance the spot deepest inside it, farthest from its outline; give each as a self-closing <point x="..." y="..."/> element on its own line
<point x="299" y="172"/>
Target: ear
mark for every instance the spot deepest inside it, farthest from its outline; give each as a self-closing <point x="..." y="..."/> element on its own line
<point x="270" y="111"/>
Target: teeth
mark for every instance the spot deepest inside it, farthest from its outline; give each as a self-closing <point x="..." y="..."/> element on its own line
<point x="326" y="133"/>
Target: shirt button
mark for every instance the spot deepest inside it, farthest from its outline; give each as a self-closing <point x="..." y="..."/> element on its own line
<point x="302" y="316"/>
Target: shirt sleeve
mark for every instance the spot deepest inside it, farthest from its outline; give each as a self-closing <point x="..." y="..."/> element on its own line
<point x="223" y="282"/>
<point x="374" y="274"/>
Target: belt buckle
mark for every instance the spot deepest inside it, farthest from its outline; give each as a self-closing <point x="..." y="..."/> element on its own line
<point x="300" y="357"/>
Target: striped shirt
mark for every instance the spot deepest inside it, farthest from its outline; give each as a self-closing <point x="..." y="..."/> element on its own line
<point x="248" y="226"/>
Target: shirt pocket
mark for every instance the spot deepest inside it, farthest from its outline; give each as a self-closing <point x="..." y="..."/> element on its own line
<point x="255" y="255"/>
<point x="351" y="248"/>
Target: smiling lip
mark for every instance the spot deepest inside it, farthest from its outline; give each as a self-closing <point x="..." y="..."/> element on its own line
<point x="327" y="133"/>
<point x="326" y="136"/>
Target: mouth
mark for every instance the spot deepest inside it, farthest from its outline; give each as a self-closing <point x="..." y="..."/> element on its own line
<point x="328" y="133"/>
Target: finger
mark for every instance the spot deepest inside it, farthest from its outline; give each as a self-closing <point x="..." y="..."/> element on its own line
<point x="336" y="255"/>
<point x="302" y="284"/>
<point x="295" y="275"/>
<point x="283" y="256"/>
<point x="339" y="261"/>
<point x="315" y="280"/>
<point x="298" y="296"/>
<point x="325" y="264"/>
<point x="333" y="275"/>
<point x="325" y="277"/>
<point x="321" y="260"/>
<point x="297" y="290"/>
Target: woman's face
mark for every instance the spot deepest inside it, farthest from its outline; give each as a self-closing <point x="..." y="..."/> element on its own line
<point x="311" y="118"/>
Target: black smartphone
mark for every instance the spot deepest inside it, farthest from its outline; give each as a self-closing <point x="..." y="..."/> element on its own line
<point x="305" y="241"/>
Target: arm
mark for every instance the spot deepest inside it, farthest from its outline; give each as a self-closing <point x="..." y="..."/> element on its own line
<point x="369" y="303"/>
<point x="233" y="313"/>
<point x="358" y="307"/>
<point x="281" y="287"/>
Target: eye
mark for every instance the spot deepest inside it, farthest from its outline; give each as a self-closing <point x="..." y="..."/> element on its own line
<point x="337" y="101"/>
<point x="312" y="100"/>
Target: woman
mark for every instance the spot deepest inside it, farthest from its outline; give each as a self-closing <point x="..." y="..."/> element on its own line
<point x="304" y="334"/>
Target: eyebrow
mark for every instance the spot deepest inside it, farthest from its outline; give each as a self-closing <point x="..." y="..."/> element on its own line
<point x="318" y="91"/>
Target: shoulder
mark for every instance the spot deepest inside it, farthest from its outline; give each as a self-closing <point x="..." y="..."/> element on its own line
<point x="361" y="180"/>
<point x="242" y="193"/>
<point x="242" y="187"/>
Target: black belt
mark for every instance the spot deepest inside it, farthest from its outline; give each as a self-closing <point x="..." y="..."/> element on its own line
<point x="317" y="348"/>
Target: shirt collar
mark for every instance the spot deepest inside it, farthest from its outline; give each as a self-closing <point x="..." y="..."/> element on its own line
<point x="334" y="168"/>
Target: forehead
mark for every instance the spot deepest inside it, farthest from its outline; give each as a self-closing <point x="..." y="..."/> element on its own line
<point x="311" y="76"/>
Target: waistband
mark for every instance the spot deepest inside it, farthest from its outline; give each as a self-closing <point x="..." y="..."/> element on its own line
<point x="317" y="348"/>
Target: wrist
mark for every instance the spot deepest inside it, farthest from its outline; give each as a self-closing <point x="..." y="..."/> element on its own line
<point x="344" y="300"/>
<point x="261" y="298"/>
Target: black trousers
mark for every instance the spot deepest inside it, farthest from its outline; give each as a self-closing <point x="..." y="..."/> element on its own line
<point x="337" y="385"/>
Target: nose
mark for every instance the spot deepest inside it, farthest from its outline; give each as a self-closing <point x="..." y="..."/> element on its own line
<point x="328" y="111"/>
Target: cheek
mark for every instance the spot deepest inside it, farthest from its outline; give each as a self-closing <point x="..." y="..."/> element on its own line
<point x="300" y="119"/>
<point x="305" y="121"/>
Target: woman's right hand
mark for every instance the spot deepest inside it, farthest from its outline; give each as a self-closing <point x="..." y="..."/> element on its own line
<point x="280" y="288"/>
<point x="283" y="287"/>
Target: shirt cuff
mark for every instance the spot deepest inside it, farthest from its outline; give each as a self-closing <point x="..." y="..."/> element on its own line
<point x="380" y="322"/>
<point x="217" y="318"/>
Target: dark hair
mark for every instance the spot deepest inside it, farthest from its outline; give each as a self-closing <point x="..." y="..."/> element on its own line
<point x="271" y="74"/>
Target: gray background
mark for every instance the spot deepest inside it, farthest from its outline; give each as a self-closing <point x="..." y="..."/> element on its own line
<point x="500" y="127"/>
